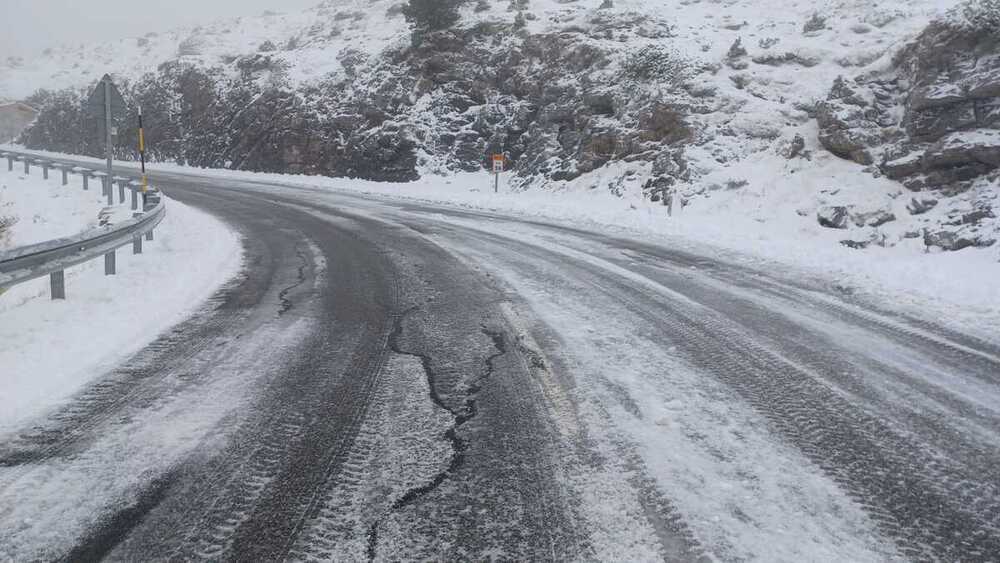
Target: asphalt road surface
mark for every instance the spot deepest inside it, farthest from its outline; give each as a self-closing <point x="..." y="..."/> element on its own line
<point x="390" y="380"/>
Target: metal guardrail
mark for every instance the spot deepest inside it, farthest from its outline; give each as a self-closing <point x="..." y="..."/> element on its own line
<point x="53" y="257"/>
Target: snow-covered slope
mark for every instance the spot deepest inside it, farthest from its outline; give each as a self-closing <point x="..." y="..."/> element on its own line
<point x="709" y="103"/>
<point x="855" y="34"/>
<point x="38" y="210"/>
<point x="307" y="40"/>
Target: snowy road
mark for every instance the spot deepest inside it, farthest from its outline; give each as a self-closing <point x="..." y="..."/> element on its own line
<point x="402" y="381"/>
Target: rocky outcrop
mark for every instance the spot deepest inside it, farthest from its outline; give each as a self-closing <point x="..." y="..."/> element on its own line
<point x="946" y="88"/>
<point x="932" y="122"/>
<point x="843" y="216"/>
<point x="833" y="216"/>
<point x="851" y="124"/>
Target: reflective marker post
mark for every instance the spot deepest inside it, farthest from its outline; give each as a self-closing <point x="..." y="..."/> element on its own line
<point x="142" y="158"/>
<point x="498" y="161"/>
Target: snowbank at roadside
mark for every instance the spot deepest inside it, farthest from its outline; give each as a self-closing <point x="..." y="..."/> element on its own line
<point x="51" y="349"/>
<point x="45" y="209"/>
<point x="773" y="228"/>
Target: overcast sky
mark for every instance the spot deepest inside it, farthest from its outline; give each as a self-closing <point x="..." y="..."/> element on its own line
<point x="28" y="26"/>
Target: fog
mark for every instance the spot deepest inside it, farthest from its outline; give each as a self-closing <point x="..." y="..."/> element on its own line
<point x="29" y="26"/>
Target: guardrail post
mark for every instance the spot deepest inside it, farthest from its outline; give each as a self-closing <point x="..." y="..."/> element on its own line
<point x="27" y="166"/>
<point x="121" y="190"/>
<point x="57" y="284"/>
<point x="109" y="190"/>
<point x="45" y="170"/>
<point x="65" y="175"/>
<point x="10" y="163"/>
<point x="149" y="234"/>
<point x="86" y="180"/>
<point x="137" y="245"/>
<point x="135" y="196"/>
<point x="109" y="264"/>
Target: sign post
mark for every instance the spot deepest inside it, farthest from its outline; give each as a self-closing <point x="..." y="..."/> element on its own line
<point x="104" y="102"/>
<point x="498" y="162"/>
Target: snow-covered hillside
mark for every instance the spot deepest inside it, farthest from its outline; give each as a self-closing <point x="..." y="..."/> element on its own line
<point x="855" y="34"/>
<point x="711" y="104"/>
<point x="308" y="41"/>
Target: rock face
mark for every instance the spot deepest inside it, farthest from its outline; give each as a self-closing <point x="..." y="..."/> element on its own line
<point x="833" y="216"/>
<point x="932" y="122"/>
<point x="946" y="87"/>
<point x="851" y="124"/>
<point x="952" y="112"/>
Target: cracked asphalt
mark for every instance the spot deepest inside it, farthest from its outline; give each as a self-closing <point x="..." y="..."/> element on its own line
<point x="400" y="381"/>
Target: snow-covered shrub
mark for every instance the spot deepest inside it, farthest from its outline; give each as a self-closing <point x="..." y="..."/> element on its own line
<point x="815" y="23"/>
<point x="656" y="63"/>
<point x="982" y="15"/>
<point x="519" y="21"/>
<point x="431" y="15"/>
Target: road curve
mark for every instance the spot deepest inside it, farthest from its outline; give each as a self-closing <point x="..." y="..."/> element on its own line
<point x="390" y="380"/>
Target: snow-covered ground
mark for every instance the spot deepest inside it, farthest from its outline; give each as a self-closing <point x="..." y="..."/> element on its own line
<point x="50" y="349"/>
<point x="957" y="289"/>
<point x="44" y="209"/>
<point x="761" y="227"/>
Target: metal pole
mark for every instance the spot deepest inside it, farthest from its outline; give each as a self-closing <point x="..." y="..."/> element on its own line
<point x="109" y="263"/>
<point x="107" y="139"/>
<point x="121" y="191"/>
<point x="57" y="284"/>
<point x="137" y="245"/>
<point x="65" y="176"/>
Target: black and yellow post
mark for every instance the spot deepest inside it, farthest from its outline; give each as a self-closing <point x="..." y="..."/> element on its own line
<point x="142" y="158"/>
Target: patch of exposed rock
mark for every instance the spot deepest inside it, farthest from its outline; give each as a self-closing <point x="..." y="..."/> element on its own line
<point x="931" y="123"/>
